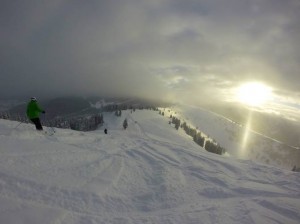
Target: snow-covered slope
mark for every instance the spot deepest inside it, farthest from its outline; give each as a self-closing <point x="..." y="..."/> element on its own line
<point x="240" y="141"/>
<point x="149" y="173"/>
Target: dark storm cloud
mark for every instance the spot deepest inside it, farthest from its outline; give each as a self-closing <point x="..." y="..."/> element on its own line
<point x="161" y="48"/>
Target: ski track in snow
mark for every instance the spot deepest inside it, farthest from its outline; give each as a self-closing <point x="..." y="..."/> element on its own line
<point x="146" y="174"/>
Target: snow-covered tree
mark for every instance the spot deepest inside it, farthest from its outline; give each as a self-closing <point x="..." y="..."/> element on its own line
<point x="125" y="124"/>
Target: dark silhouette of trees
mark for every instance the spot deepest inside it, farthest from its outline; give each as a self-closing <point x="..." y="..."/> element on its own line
<point x="208" y="145"/>
<point x="177" y="122"/>
<point x="89" y="123"/>
<point x="118" y="113"/>
<point x="214" y="148"/>
<point x="199" y="139"/>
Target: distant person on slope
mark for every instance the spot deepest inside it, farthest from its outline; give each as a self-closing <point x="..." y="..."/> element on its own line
<point x="33" y="113"/>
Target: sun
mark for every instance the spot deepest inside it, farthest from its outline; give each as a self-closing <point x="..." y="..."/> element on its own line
<point x="254" y="94"/>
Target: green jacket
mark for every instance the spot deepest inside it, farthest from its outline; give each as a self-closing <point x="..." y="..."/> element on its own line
<point x="33" y="110"/>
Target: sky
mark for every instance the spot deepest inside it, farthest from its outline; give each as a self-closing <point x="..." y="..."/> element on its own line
<point x="180" y="50"/>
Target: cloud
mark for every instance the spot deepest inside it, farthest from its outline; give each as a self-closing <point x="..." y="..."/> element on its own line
<point x="183" y="50"/>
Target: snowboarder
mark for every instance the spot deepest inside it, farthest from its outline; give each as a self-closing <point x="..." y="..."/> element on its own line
<point x="33" y="113"/>
<point x="105" y="131"/>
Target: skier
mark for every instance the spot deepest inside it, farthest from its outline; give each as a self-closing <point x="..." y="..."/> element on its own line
<point x="33" y="112"/>
<point x="125" y="124"/>
<point x="105" y="131"/>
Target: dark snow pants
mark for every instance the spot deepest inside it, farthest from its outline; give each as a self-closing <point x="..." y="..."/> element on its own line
<point x="37" y="123"/>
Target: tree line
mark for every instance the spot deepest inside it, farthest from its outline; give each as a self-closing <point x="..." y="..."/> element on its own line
<point x="208" y="145"/>
<point x="86" y="122"/>
<point x="78" y="123"/>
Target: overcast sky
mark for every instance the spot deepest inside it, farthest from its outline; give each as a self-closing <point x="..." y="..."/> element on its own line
<point x="174" y="49"/>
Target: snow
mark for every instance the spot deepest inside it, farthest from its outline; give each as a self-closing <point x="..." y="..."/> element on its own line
<point x="149" y="173"/>
<point x="239" y="141"/>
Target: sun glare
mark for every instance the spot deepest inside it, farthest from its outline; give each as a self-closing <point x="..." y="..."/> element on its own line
<point x="254" y="94"/>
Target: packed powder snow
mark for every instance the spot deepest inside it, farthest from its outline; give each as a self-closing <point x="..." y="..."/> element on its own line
<point x="148" y="173"/>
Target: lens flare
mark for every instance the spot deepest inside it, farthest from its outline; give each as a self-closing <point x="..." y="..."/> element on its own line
<point x="245" y="140"/>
